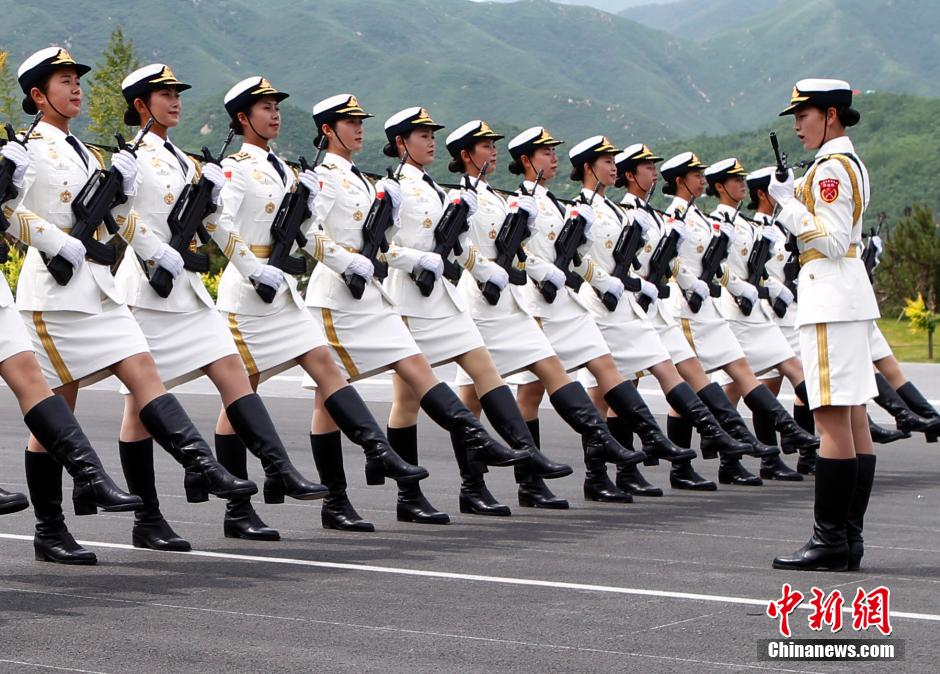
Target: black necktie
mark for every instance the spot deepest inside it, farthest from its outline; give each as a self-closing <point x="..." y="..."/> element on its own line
<point x="613" y="207"/>
<point x="430" y="181"/>
<point x="277" y="167"/>
<point x="169" y="146"/>
<point x="358" y="174"/>
<point x="555" y="201"/>
<point x="79" y="150"/>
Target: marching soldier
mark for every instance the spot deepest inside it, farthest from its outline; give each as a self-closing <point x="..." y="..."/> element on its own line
<point x="79" y="325"/>
<point x="186" y="335"/>
<point x="764" y="345"/>
<point x="836" y="318"/>
<point x="367" y="333"/>
<point x="274" y="336"/>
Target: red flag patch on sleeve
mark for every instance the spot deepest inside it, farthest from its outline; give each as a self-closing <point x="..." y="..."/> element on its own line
<point x="829" y="189"/>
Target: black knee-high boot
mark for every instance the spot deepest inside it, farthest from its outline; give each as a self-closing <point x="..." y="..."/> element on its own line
<point x="337" y="512"/>
<point x="627" y="402"/>
<point x="167" y="421"/>
<point x="803" y="415"/>
<point x="357" y="423"/>
<point x="412" y="504"/>
<point x="683" y="475"/>
<point x="533" y="492"/>
<point x="906" y="416"/>
<point x="241" y="520"/>
<point x="254" y="427"/>
<point x="856" y="520"/>
<point x="629" y="477"/>
<point x="12" y="502"/>
<point x="714" y="438"/>
<point x="55" y="427"/>
<point x="475" y="497"/>
<point x="792" y="438"/>
<point x="501" y="409"/>
<point x="828" y="548"/>
<point x="883" y="436"/>
<point x="151" y="530"/>
<point x="772" y="467"/>
<point x="52" y="541"/>
<point x="920" y="406"/>
<point x="727" y="415"/>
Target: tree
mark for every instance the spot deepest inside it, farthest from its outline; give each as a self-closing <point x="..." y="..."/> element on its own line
<point x="106" y="105"/>
<point x="922" y="318"/>
<point x="10" y="110"/>
<point x="911" y="262"/>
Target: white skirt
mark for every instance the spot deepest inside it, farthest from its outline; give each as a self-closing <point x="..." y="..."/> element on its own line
<point x="73" y="346"/>
<point x="14" y="338"/>
<point x="879" y="345"/>
<point x="514" y="340"/>
<point x="576" y="340"/>
<point x="271" y="344"/>
<point x="712" y="341"/>
<point x="441" y="340"/>
<point x="763" y="344"/>
<point x="674" y="341"/>
<point x="363" y="344"/>
<point x="183" y="343"/>
<point x="837" y="363"/>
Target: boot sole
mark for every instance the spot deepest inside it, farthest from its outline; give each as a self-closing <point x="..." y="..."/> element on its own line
<point x="819" y="567"/>
<point x="43" y="557"/>
<point x="358" y="527"/>
<point x="410" y="519"/>
<point x="495" y="512"/>
<point x="795" y="477"/>
<point x="556" y="474"/>
<point x="144" y="545"/>
<point x="273" y="497"/>
<point x="83" y="508"/>
<point x="561" y="504"/>
<point x="655" y="492"/>
<point x="251" y="537"/>
<point x="703" y="486"/>
<point x="14" y="508"/>
<point x="378" y="477"/>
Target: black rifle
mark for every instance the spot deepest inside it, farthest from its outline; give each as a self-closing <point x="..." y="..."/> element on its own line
<point x="92" y="208"/>
<point x="756" y="272"/>
<point x="628" y="244"/>
<point x="452" y="225"/>
<point x="712" y="260"/>
<point x="660" y="267"/>
<point x="374" y="241"/>
<point x="514" y="231"/>
<point x="185" y="221"/>
<point x="7" y="189"/>
<point x="569" y="240"/>
<point x="870" y="254"/>
<point x="286" y="230"/>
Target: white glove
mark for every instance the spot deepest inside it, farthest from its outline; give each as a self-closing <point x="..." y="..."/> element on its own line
<point x="432" y="262"/>
<point x="126" y="164"/>
<point x="556" y="277"/>
<point x="72" y="250"/>
<point x="586" y="212"/>
<point x="644" y="220"/>
<point x="469" y="197"/>
<point x="498" y="277"/>
<point x="781" y="293"/>
<point x="612" y="285"/>
<point x="771" y="233"/>
<point x="525" y="202"/>
<point x="649" y="289"/>
<point x="19" y="155"/>
<point x="749" y="293"/>
<point x="700" y="288"/>
<point x="311" y="181"/>
<point x="728" y="229"/>
<point x="680" y="228"/>
<point x="879" y="248"/>
<point x="782" y="192"/>
<point x="214" y="174"/>
<point x="169" y="259"/>
<point x="361" y="266"/>
<point x="270" y="276"/>
<point x="393" y="190"/>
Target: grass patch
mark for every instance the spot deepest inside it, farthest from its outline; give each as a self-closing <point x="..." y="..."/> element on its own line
<point x="908" y="346"/>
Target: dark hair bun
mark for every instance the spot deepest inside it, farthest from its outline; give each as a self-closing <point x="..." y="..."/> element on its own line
<point x="131" y="118"/>
<point x="390" y="150"/>
<point x="849" y="116"/>
<point x="669" y="187"/>
<point x="515" y="167"/>
<point x="711" y="191"/>
<point x="236" y="126"/>
<point x="455" y="165"/>
<point x="577" y="174"/>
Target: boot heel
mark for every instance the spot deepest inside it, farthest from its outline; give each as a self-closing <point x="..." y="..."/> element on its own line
<point x="273" y="497"/>
<point x="650" y="461"/>
<point x="709" y="453"/>
<point x="83" y="507"/>
<point x="375" y="475"/>
<point x="197" y="494"/>
<point x="930" y="437"/>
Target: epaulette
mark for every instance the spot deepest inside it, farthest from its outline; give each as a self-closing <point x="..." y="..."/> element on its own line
<point x="35" y="135"/>
<point x="239" y="156"/>
<point x="332" y="167"/>
<point x="97" y="154"/>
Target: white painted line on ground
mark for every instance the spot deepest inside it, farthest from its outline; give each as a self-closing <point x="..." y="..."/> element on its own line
<point x="60" y="669"/>
<point x="449" y="575"/>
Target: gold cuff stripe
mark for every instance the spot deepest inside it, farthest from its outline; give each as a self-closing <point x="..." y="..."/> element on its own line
<point x="819" y="231"/>
<point x="250" y="365"/>
<point x="58" y="363"/>
<point x="26" y="221"/>
<point x="589" y="273"/>
<point x="319" y="240"/>
<point x="130" y="229"/>
<point x="233" y="240"/>
<point x="822" y="353"/>
<point x="471" y="258"/>
<point x="330" y="329"/>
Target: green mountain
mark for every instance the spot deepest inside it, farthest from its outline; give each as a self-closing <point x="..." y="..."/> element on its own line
<point x="696" y="20"/>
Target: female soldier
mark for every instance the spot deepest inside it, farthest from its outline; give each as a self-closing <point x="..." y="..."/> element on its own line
<point x="566" y="320"/>
<point x="186" y="335"/>
<point x="80" y="327"/>
<point x="706" y="330"/>
<point x="764" y="345"/>
<point x="368" y="335"/>
<point x="836" y="318"/>
<point x="512" y="335"/>
<point x="272" y="337"/>
<point x="45" y="414"/>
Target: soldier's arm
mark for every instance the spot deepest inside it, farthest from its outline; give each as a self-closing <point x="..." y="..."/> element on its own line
<point x="221" y="224"/>
<point x="835" y="203"/>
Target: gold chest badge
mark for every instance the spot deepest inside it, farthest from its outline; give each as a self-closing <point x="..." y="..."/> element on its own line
<point x="608" y="244"/>
<point x="345" y="184"/>
<point x="700" y="248"/>
<point x="357" y="216"/>
<point x="269" y="207"/>
<point x="492" y="234"/>
<point x="155" y="161"/>
<point x="551" y="236"/>
<point x="780" y="257"/>
<point x="744" y="252"/>
<point x="168" y="198"/>
<point x="426" y="223"/>
<point x="257" y="175"/>
<point x="53" y="153"/>
<point x="648" y="248"/>
<point x="65" y="196"/>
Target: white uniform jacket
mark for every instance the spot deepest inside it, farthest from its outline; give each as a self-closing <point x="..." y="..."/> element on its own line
<point x="252" y="194"/>
<point x="775" y="266"/>
<point x="659" y="227"/>
<point x="827" y="220"/>
<point x="55" y="176"/>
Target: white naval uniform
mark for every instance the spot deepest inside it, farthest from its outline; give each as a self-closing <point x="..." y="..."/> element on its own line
<point x="775" y="271"/>
<point x="763" y="343"/>
<point x="82" y="328"/>
<point x="269" y="337"/>
<point x="628" y="331"/>
<point x="439" y="323"/>
<point x="367" y="335"/>
<point x="184" y="331"/>
<point x="567" y="322"/>
<point x="837" y="303"/>
<point x="707" y="332"/>
<point x="511" y="334"/>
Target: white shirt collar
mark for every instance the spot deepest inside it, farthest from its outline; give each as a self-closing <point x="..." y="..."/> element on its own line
<point x="540" y="189"/>
<point x="336" y="160"/>
<point x="412" y="172"/>
<point x="47" y="129"/>
<point x="840" y="145"/>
